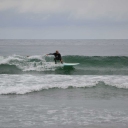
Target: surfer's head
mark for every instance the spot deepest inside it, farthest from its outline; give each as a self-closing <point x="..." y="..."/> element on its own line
<point x="57" y="51"/>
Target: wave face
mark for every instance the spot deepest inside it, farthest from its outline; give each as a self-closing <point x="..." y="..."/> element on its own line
<point x="99" y="61"/>
<point x="89" y="65"/>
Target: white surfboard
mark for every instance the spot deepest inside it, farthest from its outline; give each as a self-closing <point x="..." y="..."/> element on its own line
<point x="70" y="64"/>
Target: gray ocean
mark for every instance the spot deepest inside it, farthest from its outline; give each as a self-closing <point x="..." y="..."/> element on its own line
<point x="37" y="93"/>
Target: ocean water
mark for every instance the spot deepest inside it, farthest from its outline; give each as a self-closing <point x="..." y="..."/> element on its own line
<point x="36" y="93"/>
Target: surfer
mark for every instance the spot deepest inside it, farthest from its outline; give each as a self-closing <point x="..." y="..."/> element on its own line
<point x="57" y="56"/>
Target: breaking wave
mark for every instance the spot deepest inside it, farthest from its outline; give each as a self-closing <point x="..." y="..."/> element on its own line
<point x="89" y="65"/>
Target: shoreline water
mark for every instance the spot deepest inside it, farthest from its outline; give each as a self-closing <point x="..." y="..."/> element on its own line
<point x="65" y="107"/>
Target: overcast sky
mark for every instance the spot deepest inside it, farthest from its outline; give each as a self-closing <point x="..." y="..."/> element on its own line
<point x="63" y="19"/>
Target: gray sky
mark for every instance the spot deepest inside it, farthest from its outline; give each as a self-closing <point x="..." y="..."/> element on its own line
<point x="63" y="19"/>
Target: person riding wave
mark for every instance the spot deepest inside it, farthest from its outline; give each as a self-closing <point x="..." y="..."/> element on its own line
<point x="57" y="56"/>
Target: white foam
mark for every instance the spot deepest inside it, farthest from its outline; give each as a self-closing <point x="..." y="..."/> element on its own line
<point x="21" y="84"/>
<point x="38" y="66"/>
<point x="42" y="58"/>
<point x="9" y="59"/>
<point x="29" y="64"/>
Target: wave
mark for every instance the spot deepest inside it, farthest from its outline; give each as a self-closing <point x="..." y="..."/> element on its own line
<point x="99" y="61"/>
<point x="21" y="64"/>
<point x="22" y="84"/>
<point x="91" y="65"/>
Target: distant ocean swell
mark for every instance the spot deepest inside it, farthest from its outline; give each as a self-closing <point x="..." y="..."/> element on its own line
<point x="22" y="84"/>
<point x="89" y="65"/>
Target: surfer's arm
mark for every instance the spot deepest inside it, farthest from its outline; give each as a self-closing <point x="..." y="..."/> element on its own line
<point x="50" y="54"/>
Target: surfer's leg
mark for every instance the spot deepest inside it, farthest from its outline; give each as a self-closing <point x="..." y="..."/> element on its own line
<point x="61" y="61"/>
<point x="55" y="60"/>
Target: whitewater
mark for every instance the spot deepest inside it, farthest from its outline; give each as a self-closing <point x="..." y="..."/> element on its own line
<point x="20" y="84"/>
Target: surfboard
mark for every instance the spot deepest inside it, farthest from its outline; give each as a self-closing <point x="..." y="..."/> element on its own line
<point x="70" y="64"/>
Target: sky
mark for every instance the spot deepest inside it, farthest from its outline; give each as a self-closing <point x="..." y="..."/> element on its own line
<point x="63" y="19"/>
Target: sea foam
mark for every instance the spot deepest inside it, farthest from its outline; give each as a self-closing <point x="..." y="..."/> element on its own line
<point x="22" y="84"/>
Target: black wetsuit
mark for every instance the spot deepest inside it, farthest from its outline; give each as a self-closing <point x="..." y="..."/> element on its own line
<point x="57" y="56"/>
